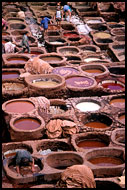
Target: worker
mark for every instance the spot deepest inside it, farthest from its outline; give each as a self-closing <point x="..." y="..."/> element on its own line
<point x="44" y="22"/>
<point x="58" y="16"/>
<point x="67" y="10"/>
<point x="25" y="43"/>
<point x="24" y="158"/>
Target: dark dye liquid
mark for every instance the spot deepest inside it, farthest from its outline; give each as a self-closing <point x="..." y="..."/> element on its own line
<point x="112" y="86"/>
<point x="17" y="60"/>
<point x="106" y="161"/>
<point x="19" y="106"/>
<point x="96" y="124"/>
<point x="10" y="75"/>
<point x="71" y="35"/>
<point x="27" y="124"/>
<point x="86" y="144"/>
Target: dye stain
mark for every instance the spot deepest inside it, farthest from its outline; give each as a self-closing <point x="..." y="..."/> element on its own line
<point x="106" y="161"/>
<point x="118" y="102"/>
<point x="10" y="75"/>
<point x="27" y="124"/>
<point x="17" y="60"/>
<point x="87" y="144"/>
<point x="96" y="124"/>
<point x="19" y="107"/>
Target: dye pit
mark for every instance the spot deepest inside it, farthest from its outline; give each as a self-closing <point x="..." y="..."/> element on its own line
<point x="94" y="105"/>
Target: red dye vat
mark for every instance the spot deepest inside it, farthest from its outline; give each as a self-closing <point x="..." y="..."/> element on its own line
<point x="113" y="86"/>
<point x="71" y="35"/>
<point x="106" y="161"/>
<point x="87" y="144"/>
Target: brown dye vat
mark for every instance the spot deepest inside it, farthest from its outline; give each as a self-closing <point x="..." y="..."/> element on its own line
<point x="52" y="59"/>
<point x="13" y="21"/>
<point x="87" y="144"/>
<point x="80" y="81"/>
<point x="19" y="106"/>
<point x="94" y="71"/>
<point x="106" y="161"/>
<point x="48" y="83"/>
<point x="118" y="31"/>
<point x="118" y="102"/>
<point x="10" y="75"/>
<point x="122" y="118"/>
<point x="64" y="71"/>
<point x="27" y="124"/>
<point x="104" y="40"/>
<point x="17" y="60"/>
<point x="68" y="27"/>
<point x="97" y="124"/>
<point x="119" y="47"/>
<point x="113" y="85"/>
<point x="12" y="86"/>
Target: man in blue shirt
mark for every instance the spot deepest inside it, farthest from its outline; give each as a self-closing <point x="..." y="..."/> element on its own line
<point x="67" y="10"/>
<point x="44" y="22"/>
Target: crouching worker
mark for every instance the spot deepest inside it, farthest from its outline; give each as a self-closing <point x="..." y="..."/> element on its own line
<point x="25" y="44"/>
<point x="24" y="158"/>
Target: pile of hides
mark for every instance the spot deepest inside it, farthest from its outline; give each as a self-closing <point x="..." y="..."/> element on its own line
<point x="38" y="66"/>
<point x="57" y="128"/>
<point x="77" y="176"/>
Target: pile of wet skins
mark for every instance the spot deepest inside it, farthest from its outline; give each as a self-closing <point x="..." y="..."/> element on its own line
<point x="65" y="101"/>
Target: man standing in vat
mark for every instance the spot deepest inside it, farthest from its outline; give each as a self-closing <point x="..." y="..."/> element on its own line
<point x="24" y="158"/>
<point x="25" y="43"/>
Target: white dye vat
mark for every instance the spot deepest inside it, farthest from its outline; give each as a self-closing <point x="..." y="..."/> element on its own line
<point x="91" y="59"/>
<point x="88" y="106"/>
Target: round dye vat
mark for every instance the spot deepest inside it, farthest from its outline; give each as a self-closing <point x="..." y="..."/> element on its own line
<point x="10" y="75"/>
<point x="13" y="21"/>
<point x="5" y="34"/>
<point x="87" y="144"/>
<point x="93" y="71"/>
<point x="117" y="70"/>
<point x="106" y="161"/>
<point x="88" y="106"/>
<point x="19" y="106"/>
<point x="122" y="118"/>
<point x="47" y="83"/>
<point x="51" y="59"/>
<point x="12" y="86"/>
<point x="64" y="71"/>
<point x="102" y="35"/>
<point x="17" y="60"/>
<point x="112" y="85"/>
<point x="118" y="102"/>
<point x="96" y="124"/>
<point x="80" y="81"/>
<point x="27" y="124"/>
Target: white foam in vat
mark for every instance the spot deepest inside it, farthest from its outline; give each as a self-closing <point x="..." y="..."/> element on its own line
<point x="87" y="106"/>
<point x="91" y="59"/>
